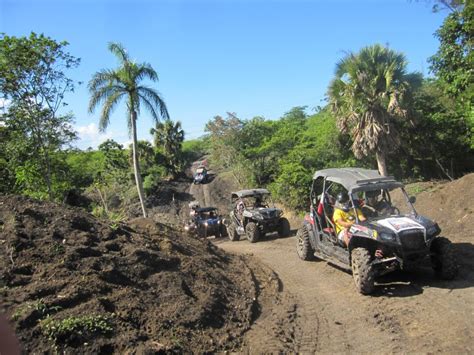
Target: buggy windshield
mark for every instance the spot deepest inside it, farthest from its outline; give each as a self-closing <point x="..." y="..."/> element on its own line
<point x="383" y="202"/>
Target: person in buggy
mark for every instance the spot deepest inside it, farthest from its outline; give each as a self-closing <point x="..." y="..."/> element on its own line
<point x="344" y="217"/>
<point x="193" y="206"/>
<point x="375" y="204"/>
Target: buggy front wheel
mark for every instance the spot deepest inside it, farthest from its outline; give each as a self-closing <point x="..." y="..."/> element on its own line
<point x="232" y="233"/>
<point x="303" y="245"/>
<point x="283" y="228"/>
<point x="363" y="272"/>
<point x="252" y="232"/>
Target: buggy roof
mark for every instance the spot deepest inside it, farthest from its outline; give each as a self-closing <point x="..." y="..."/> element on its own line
<point x="200" y="169"/>
<point x="249" y="193"/>
<point x="206" y="209"/>
<point x="358" y="179"/>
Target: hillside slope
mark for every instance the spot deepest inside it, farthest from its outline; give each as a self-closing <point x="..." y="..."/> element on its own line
<point x="71" y="282"/>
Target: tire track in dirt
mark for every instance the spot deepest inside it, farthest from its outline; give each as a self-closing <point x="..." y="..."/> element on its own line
<point x="331" y="316"/>
<point x="409" y="312"/>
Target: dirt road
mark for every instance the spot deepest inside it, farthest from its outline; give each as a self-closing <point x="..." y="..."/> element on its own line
<point x="409" y="312"/>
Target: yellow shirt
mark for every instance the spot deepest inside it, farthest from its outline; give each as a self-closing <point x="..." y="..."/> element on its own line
<point x="345" y="216"/>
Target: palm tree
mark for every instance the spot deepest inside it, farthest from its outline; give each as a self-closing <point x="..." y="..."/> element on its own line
<point x="370" y="91"/>
<point x="169" y="136"/>
<point x="108" y="87"/>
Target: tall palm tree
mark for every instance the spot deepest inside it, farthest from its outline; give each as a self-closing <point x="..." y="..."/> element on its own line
<point x="370" y="91"/>
<point x="108" y="87"/>
<point x="169" y="136"/>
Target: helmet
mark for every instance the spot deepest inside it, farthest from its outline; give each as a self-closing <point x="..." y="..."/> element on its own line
<point x="342" y="197"/>
<point x="193" y="205"/>
<point x="342" y="201"/>
<point x="372" y="193"/>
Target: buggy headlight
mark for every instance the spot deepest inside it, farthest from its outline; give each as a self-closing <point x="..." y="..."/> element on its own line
<point x="387" y="237"/>
<point x="205" y="224"/>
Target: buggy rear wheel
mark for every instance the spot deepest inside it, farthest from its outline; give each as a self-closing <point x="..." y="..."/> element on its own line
<point x="252" y="232"/>
<point x="303" y="246"/>
<point x="362" y="271"/>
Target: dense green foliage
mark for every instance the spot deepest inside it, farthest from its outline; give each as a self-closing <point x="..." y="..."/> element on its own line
<point x="168" y="138"/>
<point x="453" y="62"/>
<point x="33" y="82"/>
<point x="282" y="154"/>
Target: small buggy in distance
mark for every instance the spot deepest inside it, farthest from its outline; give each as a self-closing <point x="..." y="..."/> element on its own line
<point x="206" y="222"/>
<point x="201" y="175"/>
<point x="253" y="214"/>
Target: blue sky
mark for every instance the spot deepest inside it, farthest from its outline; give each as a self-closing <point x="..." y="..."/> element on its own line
<point x="255" y="58"/>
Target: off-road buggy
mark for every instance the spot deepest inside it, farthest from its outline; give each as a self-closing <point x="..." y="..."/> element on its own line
<point x="253" y="214"/>
<point x="392" y="237"/>
<point x="201" y="175"/>
<point x="206" y="222"/>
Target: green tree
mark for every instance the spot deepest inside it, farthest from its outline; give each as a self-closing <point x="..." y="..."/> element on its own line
<point x="34" y="82"/>
<point x="453" y="62"/>
<point x="224" y="138"/>
<point x="194" y="149"/>
<point x="438" y="144"/>
<point x="108" y="87"/>
<point x="146" y="156"/>
<point x="370" y="92"/>
<point x="169" y="136"/>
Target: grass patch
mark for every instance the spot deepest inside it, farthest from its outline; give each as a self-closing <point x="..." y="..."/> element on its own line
<point x="75" y="328"/>
<point x="39" y="306"/>
<point x="57" y="248"/>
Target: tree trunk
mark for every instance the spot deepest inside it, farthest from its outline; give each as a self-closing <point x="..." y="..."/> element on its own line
<point x="136" y="165"/>
<point x="382" y="165"/>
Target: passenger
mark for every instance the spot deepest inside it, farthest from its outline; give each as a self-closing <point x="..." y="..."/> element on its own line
<point x="344" y="217"/>
<point x="240" y="207"/>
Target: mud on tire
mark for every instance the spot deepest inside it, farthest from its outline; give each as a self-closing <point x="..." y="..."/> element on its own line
<point x="303" y="246"/>
<point x="362" y="271"/>
<point x="442" y="259"/>
<point x="283" y="228"/>
<point x="232" y="233"/>
<point x="252" y="232"/>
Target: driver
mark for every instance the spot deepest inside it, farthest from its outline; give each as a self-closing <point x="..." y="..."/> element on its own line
<point x="344" y="217"/>
<point x="258" y="202"/>
<point x="375" y="206"/>
<point x="193" y="213"/>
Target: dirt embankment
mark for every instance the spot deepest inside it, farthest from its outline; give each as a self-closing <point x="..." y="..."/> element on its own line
<point x="71" y="282"/>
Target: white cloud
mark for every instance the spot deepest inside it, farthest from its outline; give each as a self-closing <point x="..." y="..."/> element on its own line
<point x="89" y="136"/>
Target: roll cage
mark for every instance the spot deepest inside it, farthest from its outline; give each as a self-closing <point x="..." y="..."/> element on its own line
<point x="354" y="181"/>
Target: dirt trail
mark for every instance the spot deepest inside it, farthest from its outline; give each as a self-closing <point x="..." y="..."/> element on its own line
<point x="409" y="312"/>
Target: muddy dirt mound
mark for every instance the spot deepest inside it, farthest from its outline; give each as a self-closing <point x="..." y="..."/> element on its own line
<point x="71" y="282"/>
<point x="450" y="204"/>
